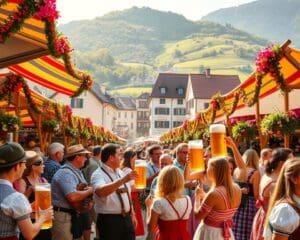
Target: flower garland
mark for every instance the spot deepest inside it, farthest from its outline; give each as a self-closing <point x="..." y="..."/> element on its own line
<point x="59" y="47"/>
<point x="268" y="61"/>
<point x="13" y="84"/>
<point x="9" y="123"/>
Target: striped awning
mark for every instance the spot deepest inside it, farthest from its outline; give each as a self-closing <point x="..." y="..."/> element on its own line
<point x="26" y="53"/>
<point x="290" y="68"/>
<point x="269" y="101"/>
<point x="48" y="72"/>
<point x="30" y="42"/>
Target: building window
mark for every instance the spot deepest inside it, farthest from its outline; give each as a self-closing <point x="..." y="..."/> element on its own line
<point x="125" y="114"/>
<point x="206" y="105"/>
<point x="162" y="111"/>
<point x="77" y="103"/>
<point x="177" y="124"/>
<point x="162" y="124"/>
<point x="131" y="114"/>
<point x="179" y="111"/>
<point x="163" y="91"/>
<point x="131" y="125"/>
<point x="179" y="101"/>
<point x="162" y="101"/>
<point x="142" y="104"/>
<point x="180" y="91"/>
<point x="119" y="114"/>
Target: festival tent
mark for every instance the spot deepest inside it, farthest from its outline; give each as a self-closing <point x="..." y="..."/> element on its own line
<point x="248" y="97"/>
<point x="28" y="43"/>
<point x="31" y="47"/>
<point x="35" y="110"/>
<point x="28" y="37"/>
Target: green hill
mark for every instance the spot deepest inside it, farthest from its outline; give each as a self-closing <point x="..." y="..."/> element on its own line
<point x="277" y="20"/>
<point x="128" y="48"/>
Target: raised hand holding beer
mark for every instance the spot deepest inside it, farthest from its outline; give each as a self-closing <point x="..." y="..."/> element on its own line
<point x="217" y="140"/>
<point x="196" y="160"/>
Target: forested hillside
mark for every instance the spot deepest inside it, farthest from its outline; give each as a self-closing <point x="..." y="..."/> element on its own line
<point x="129" y="47"/>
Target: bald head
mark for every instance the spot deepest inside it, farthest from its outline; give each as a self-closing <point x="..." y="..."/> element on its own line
<point x="165" y="160"/>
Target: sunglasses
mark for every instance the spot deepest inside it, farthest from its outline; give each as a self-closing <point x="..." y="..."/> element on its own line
<point x="39" y="163"/>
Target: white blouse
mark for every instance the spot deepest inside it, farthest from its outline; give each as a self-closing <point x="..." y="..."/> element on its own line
<point x="284" y="219"/>
<point x="162" y="207"/>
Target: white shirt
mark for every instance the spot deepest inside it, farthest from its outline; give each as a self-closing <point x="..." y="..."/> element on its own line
<point x="284" y="219"/>
<point x="110" y="204"/>
<point x="162" y="207"/>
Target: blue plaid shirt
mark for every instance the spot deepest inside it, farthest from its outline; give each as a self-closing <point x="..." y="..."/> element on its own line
<point x="51" y="167"/>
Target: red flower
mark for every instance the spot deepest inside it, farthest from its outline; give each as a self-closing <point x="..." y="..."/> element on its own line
<point x="47" y="11"/>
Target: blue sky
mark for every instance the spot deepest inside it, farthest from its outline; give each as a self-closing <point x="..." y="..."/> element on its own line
<point x="88" y="9"/>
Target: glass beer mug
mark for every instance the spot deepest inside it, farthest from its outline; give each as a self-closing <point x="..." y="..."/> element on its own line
<point x="217" y="140"/>
<point x="43" y="201"/>
<point x="196" y="155"/>
<point x="140" y="167"/>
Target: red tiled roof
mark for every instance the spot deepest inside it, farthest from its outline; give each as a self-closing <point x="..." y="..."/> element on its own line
<point x="205" y="87"/>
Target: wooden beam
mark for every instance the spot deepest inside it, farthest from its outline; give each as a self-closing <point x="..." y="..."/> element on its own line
<point x="286" y="109"/>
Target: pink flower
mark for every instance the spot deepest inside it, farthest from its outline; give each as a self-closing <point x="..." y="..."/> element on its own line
<point x="62" y="46"/>
<point x="89" y="122"/>
<point x="47" y="11"/>
<point x="69" y="110"/>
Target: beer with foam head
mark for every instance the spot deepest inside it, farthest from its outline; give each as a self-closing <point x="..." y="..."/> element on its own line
<point x="43" y="201"/>
<point x="217" y="140"/>
<point x="140" y="168"/>
<point x="196" y="155"/>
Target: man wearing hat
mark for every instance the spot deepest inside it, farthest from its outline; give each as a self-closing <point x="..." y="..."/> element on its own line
<point x="66" y="198"/>
<point x="15" y="209"/>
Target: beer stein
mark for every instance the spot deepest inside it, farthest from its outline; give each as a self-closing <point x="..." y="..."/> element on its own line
<point x="43" y="201"/>
<point x="196" y="155"/>
<point x="217" y="140"/>
<point x="140" y="167"/>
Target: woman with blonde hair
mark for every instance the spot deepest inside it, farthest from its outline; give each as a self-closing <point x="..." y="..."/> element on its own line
<point x="216" y="208"/>
<point x="170" y="210"/>
<point x="283" y="218"/>
<point x="243" y="218"/>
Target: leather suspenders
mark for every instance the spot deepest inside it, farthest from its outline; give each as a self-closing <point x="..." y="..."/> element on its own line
<point x="119" y="191"/>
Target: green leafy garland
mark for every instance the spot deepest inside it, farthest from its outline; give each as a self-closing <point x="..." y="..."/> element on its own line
<point x="13" y="84"/>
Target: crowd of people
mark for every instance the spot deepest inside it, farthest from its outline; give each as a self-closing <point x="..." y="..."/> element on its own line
<point x="240" y="196"/>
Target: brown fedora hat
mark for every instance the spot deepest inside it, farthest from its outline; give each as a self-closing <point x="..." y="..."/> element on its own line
<point x="75" y="150"/>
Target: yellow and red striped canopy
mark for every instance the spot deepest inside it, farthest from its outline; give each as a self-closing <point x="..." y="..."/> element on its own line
<point x="26" y="53"/>
<point x="49" y="73"/>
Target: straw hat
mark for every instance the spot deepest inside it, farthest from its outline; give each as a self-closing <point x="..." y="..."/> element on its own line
<point x="33" y="157"/>
<point x="75" y="150"/>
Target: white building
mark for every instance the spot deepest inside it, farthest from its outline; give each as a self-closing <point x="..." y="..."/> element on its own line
<point x="167" y="102"/>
